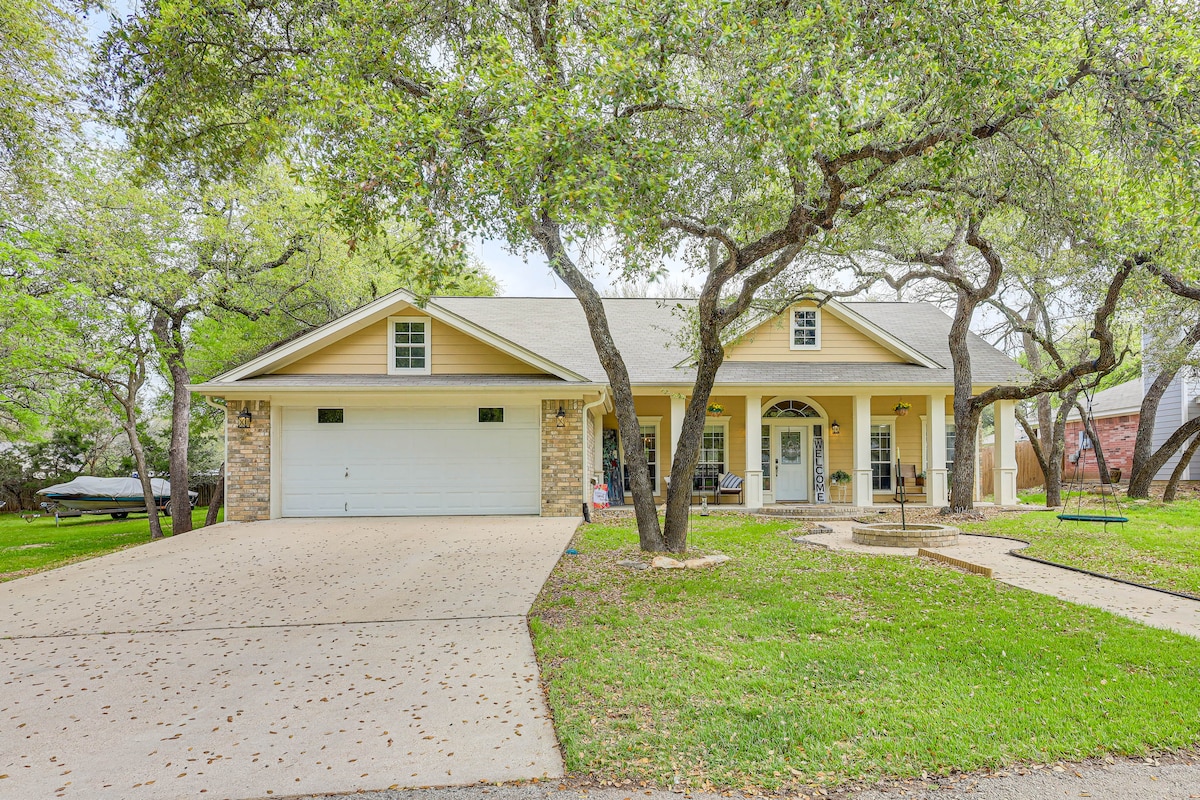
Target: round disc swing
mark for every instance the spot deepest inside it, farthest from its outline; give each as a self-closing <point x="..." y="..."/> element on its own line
<point x="1076" y="484"/>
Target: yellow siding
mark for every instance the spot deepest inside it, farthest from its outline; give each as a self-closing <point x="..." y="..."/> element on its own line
<point x="907" y="428"/>
<point x="839" y="450"/>
<point x="771" y="341"/>
<point x="362" y="353"/>
<point x="456" y="353"/>
<point x="366" y="353"/>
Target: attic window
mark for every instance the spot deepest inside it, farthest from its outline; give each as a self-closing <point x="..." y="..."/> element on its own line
<point x="409" y="346"/>
<point x="806" y="329"/>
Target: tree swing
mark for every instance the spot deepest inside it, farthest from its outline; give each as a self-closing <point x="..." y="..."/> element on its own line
<point x="1076" y="484"/>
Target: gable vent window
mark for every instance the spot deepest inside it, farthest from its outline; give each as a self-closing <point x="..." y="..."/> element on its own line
<point x="491" y="415"/>
<point x="410" y="346"/>
<point x="330" y="415"/>
<point x="806" y="329"/>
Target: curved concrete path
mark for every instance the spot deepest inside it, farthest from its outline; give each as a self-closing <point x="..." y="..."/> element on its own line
<point x="1157" y="609"/>
<point x="282" y="657"/>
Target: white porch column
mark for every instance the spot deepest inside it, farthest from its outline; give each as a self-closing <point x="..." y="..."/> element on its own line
<point x="678" y="408"/>
<point x="862" y="450"/>
<point x="754" y="475"/>
<point x="1004" y="485"/>
<point x="935" y="470"/>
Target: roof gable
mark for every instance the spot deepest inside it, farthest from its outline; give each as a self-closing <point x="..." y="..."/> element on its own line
<point x="844" y="336"/>
<point x="353" y="340"/>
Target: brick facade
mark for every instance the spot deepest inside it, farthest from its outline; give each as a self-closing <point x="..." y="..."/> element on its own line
<point x="1117" y="435"/>
<point x="562" y="459"/>
<point x="248" y="470"/>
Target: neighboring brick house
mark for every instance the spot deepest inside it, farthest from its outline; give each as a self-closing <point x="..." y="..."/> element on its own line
<point x="1115" y="418"/>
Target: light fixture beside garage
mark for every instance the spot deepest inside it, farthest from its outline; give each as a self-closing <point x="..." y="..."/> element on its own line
<point x="245" y="418"/>
<point x="560" y="419"/>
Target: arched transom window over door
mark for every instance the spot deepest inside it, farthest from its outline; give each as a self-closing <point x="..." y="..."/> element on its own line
<point x="790" y="409"/>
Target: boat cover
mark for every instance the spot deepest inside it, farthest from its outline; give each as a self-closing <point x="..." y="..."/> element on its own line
<point x="87" y="486"/>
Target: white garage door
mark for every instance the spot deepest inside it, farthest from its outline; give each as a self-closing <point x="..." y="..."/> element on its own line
<point x="406" y="461"/>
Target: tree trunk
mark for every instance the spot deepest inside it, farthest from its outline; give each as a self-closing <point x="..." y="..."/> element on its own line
<point x="168" y="330"/>
<point x="1177" y="473"/>
<point x="1143" y="445"/>
<point x="649" y="533"/>
<point x="966" y="414"/>
<point x="214" y="505"/>
<point x="687" y="449"/>
<point x="129" y="423"/>
<point x="1089" y="430"/>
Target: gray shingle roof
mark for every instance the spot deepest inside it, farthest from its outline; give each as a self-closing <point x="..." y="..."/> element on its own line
<point x="1124" y="398"/>
<point x="647" y="331"/>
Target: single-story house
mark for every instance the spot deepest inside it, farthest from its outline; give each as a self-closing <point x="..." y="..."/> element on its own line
<point x="499" y="405"/>
<point x="1115" y="414"/>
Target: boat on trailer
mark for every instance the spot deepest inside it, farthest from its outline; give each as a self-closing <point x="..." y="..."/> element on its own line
<point x="118" y="497"/>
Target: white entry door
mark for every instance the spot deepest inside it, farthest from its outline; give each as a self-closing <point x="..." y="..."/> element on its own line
<point x="791" y="476"/>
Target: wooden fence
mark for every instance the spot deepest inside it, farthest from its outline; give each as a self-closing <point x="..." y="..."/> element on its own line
<point x="1029" y="471"/>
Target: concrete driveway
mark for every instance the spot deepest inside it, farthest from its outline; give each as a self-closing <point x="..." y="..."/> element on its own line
<point x="281" y="658"/>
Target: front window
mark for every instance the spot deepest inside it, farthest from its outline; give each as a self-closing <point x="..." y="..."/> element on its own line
<point x="410" y="346"/>
<point x="881" y="458"/>
<point x="766" y="457"/>
<point x="950" y="445"/>
<point x="712" y="459"/>
<point x="649" y="437"/>
<point x="806" y="331"/>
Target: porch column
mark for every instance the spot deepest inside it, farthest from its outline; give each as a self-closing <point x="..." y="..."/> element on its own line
<point x="754" y="475"/>
<point x="1004" y="481"/>
<point x="678" y="408"/>
<point x="935" y="470"/>
<point x="862" y="451"/>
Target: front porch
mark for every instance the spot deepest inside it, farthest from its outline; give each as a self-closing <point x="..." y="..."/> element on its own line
<point x="810" y="449"/>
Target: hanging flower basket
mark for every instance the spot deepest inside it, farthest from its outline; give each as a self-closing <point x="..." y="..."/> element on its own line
<point x="902" y="408"/>
<point x="715" y="410"/>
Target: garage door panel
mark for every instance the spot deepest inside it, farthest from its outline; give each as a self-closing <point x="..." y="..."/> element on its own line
<point x="407" y="461"/>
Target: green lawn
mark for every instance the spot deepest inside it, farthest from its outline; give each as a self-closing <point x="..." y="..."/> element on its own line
<point x="27" y="547"/>
<point x="791" y="663"/>
<point x="1159" y="546"/>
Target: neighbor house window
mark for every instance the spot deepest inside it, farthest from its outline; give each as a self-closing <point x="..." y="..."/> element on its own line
<point x="491" y="415"/>
<point x="806" y="329"/>
<point x="712" y="458"/>
<point x="410" y="346"/>
<point x="330" y="415"/>
<point x="881" y="458"/>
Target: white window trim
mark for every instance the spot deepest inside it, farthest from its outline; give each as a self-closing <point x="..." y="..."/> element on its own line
<point x="656" y="423"/>
<point x="925" y="439"/>
<point x="391" y="345"/>
<point x="890" y="422"/>
<point x="723" y="423"/>
<point x="792" y="328"/>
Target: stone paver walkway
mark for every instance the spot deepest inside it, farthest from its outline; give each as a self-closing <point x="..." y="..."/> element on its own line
<point x="1157" y="609"/>
<point x="280" y="658"/>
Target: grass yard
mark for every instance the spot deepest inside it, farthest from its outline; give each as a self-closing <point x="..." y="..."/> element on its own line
<point x="1159" y="546"/>
<point x="794" y="665"/>
<point x="28" y="547"/>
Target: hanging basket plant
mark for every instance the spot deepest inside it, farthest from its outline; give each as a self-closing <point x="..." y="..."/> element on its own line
<point x="715" y="409"/>
<point x="902" y="408"/>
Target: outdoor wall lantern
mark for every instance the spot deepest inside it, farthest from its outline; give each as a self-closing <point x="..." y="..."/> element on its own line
<point x="245" y="418"/>
<point x="834" y="428"/>
<point x="560" y="419"/>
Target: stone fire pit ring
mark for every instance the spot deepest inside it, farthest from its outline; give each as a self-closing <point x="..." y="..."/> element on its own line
<point x="890" y="534"/>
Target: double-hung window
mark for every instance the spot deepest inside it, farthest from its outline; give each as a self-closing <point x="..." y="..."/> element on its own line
<point x="712" y="458"/>
<point x="648" y="427"/>
<point x="806" y="329"/>
<point x="409" y="346"/>
<point x="881" y="457"/>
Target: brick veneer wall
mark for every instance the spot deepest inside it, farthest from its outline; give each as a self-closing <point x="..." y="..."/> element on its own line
<point x="562" y="459"/>
<point x="248" y="471"/>
<point x="1117" y="435"/>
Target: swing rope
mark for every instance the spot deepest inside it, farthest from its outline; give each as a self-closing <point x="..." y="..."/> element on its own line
<point x="1088" y="421"/>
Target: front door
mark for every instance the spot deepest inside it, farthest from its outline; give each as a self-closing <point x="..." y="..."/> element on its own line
<point x="791" y="474"/>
